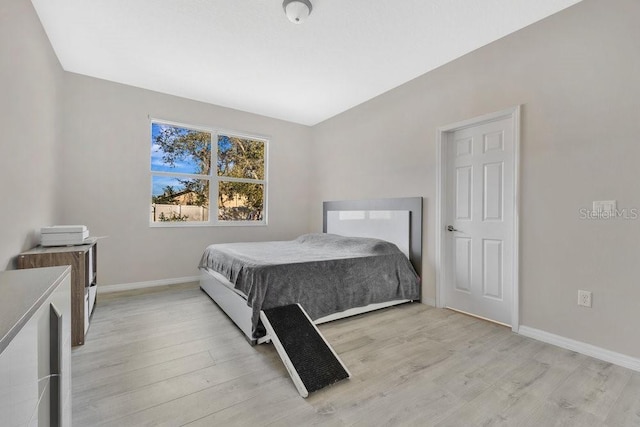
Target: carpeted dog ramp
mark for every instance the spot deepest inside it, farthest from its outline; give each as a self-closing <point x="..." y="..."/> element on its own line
<point x="309" y="359"/>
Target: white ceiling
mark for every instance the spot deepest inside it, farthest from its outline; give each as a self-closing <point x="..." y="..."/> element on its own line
<point x="245" y="54"/>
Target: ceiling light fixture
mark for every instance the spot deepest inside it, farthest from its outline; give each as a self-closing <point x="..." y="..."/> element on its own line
<point x="297" y="10"/>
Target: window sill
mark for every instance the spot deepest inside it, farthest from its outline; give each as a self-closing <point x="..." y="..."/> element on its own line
<point x="178" y="224"/>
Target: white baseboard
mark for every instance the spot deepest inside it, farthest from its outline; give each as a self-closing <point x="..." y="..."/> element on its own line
<point x="150" y="284"/>
<point x="581" y="347"/>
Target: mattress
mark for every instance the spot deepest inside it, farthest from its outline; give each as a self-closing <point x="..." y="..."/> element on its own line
<point x="324" y="273"/>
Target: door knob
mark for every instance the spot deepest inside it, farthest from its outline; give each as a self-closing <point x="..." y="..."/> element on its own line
<point x="450" y="228"/>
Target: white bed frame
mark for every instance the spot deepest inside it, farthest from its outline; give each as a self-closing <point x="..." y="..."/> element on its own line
<point x="396" y="220"/>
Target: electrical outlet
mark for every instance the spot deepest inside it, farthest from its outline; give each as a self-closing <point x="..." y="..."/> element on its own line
<point x="584" y="298"/>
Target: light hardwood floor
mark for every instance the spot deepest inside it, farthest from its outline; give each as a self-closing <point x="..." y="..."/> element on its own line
<point x="169" y="356"/>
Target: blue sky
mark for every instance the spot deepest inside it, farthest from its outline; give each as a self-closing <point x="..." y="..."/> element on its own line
<point x="187" y="165"/>
<point x="159" y="183"/>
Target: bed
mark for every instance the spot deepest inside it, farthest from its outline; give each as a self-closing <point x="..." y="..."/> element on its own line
<point x="367" y="258"/>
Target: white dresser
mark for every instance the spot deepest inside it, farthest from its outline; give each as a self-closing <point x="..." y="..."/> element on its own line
<point x="35" y="347"/>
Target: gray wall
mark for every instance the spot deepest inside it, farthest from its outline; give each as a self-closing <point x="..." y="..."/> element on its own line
<point x="105" y="181"/>
<point x="30" y="83"/>
<point x="576" y="74"/>
<point x="72" y="147"/>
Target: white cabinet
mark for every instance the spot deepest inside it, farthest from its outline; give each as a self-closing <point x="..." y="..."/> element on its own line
<point x="19" y="377"/>
<point x="35" y="347"/>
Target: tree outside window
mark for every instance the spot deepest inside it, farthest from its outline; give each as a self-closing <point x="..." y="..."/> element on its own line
<point x="184" y="185"/>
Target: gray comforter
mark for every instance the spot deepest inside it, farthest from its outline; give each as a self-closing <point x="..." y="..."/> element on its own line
<point x="325" y="273"/>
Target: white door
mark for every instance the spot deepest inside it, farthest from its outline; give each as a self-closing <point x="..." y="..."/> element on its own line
<point x="479" y="220"/>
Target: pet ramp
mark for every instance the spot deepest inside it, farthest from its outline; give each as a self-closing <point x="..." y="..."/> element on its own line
<point x="308" y="357"/>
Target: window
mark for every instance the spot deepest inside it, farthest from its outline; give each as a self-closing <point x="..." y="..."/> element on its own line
<point x="197" y="182"/>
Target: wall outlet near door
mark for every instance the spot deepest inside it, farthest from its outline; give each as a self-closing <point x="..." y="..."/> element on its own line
<point x="584" y="298"/>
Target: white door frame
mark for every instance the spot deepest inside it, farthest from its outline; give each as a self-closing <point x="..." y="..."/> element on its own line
<point x="441" y="205"/>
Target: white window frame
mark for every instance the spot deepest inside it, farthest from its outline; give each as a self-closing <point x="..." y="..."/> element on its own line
<point x="213" y="177"/>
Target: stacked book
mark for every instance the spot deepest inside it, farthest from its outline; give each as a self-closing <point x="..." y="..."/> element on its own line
<point x="63" y="235"/>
